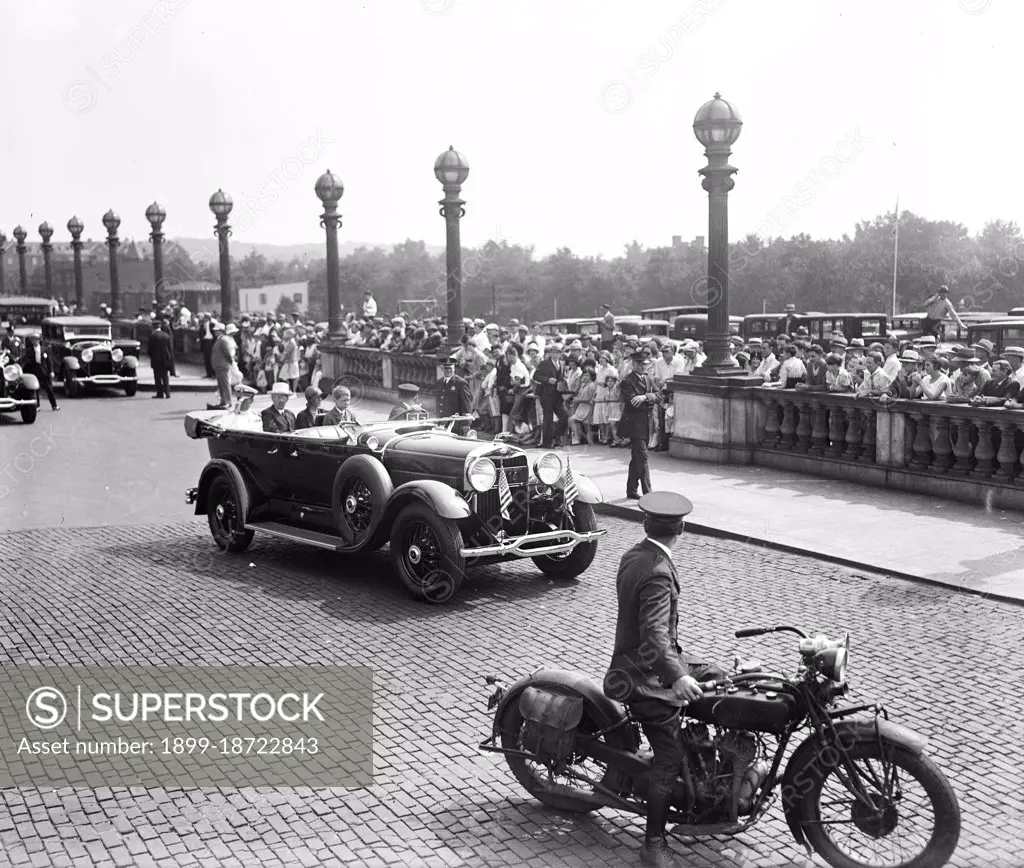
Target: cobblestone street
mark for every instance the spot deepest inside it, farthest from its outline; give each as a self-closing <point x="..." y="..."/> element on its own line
<point x="945" y="664"/>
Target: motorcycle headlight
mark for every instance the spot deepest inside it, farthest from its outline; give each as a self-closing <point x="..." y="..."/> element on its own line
<point x="86" y="356"/>
<point x="482" y="474"/>
<point x="12" y="373"/>
<point x="117" y="355"/>
<point x="832" y="662"/>
<point x="548" y="468"/>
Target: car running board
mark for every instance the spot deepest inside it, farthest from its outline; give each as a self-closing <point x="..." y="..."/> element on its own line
<point x="298" y="534"/>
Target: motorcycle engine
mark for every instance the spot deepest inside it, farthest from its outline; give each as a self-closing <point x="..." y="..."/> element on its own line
<point x="726" y="771"/>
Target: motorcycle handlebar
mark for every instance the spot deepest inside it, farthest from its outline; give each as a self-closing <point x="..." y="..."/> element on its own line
<point x="760" y="631"/>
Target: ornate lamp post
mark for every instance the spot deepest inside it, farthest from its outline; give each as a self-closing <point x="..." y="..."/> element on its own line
<point x="20" y="235"/>
<point x="112" y="221"/>
<point x="46" y="233"/>
<point x="156" y="215"/>
<point x="3" y="241"/>
<point x="717" y="126"/>
<point x="221" y="204"/>
<point x="76" y="227"/>
<point x="329" y="189"/>
<point x="451" y="168"/>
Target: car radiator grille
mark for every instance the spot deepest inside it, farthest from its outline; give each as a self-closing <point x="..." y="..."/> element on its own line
<point x="488" y="507"/>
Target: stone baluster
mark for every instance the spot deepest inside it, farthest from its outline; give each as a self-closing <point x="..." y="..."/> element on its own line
<point x="962" y="448"/>
<point x="836" y="432"/>
<point x="771" y="424"/>
<point x="803" y="426"/>
<point x="983" y="451"/>
<point x="819" y="429"/>
<point x="787" y="430"/>
<point x="942" y="446"/>
<point x="1007" y="455"/>
<point x="921" y="455"/>
<point x="853" y="434"/>
<point x="868" y="438"/>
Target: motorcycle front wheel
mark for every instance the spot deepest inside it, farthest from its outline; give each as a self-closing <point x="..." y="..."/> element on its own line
<point x="915" y="821"/>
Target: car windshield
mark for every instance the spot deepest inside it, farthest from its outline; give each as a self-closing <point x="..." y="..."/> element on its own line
<point x="74" y="333"/>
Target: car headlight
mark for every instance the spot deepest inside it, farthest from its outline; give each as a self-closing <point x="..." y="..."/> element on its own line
<point x="371" y="442"/>
<point x="117" y="355"/>
<point x="86" y="356"/>
<point x="548" y="468"/>
<point x="482" y="474"/>
<point x="12" y="373"/>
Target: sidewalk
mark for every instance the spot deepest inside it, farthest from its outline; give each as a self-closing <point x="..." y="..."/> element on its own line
<point x="976" y="550"/>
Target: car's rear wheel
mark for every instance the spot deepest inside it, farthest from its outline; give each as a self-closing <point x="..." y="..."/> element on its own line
<point x="426" y="554"/>
<point x="224" y="513"/>
<point x="574" y="563"/>
<point x="72" y="388"/>
<point x="130" y="389"/>
<point x="28" y="414"/>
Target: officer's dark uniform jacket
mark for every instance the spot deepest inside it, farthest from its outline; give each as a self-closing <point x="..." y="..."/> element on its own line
<point x="647" y="659"/>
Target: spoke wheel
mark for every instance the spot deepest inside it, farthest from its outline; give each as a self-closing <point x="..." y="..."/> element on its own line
<point x="913" y="820"/>
<point x="426" y="553"/>
<point x="226" y="522"/>
<point x="357" y="506"/>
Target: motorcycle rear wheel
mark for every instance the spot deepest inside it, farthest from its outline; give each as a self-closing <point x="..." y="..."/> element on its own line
<point x="556" y="793"/>
<point x="821" y="815"/>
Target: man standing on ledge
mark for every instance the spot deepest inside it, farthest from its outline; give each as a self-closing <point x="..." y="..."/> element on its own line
<point x="454" y="397"/>
<point x="607" y="328"/>
<point x="936" y="309"/>
<point x="789" y="323"/>
<point x="639" y="396"/>
<point x="649" y="671"/>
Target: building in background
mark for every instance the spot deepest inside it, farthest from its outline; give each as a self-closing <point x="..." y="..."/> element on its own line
<point x="273" y="298"/>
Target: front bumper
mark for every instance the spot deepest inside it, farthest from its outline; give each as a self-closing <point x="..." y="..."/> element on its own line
<point x="106" y="379"/>
<point x="553" y="542"/>
<point x="9" y="405"/>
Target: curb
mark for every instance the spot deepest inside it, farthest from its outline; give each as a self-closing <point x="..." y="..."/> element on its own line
<point x="151" y="387"/>
<point x="634" y="514"/>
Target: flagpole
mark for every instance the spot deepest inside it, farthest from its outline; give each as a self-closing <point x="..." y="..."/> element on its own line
<point x="895" y="254"/>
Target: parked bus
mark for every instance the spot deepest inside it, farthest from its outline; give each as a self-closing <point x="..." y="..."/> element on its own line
<point x="821" y="326"/>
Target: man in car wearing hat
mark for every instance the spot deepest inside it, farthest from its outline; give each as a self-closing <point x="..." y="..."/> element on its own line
<point x="649" y="671"/>
<point x="936" y="309"/>
<point x="639" y="396"/>
<point x="407" y="408"/>
<point x="789" y="322"/>
<point x="454" y="397"/>
<point x="276" y="419"/>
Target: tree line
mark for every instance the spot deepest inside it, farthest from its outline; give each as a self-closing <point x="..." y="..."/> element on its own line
<point x="853" y="273"/>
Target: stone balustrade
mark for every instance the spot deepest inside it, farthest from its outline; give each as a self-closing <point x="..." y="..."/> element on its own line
<point x="951" y="450"/>
<point x="378" y="374"/>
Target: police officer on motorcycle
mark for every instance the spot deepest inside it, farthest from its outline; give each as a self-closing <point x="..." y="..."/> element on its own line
<point x="649" y="671"/>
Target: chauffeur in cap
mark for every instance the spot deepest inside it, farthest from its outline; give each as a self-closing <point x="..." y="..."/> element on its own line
<point x="407" y="407"/>
<point x="649" y="671"/>
<point x="454" y="397"/>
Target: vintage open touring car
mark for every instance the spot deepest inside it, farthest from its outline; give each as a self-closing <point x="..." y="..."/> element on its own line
<point x="443" y="502"/>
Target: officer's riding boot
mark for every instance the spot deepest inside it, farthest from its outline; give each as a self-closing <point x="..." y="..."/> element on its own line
<point x="655" y="850"/>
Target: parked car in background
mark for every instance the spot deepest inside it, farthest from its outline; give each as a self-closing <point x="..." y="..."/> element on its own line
<point x="83" y="354"/>
<point x="907" y="326"/>
<point x="672" y="311"/>
<point x="694" y="326"/>
<point x="641" y="327"/>
<point x="26" y="310"/>
<point x="576" y="326"/>
<point x="445" y="503"/>
<point x="1003" y="333"/>
<point x="18" y="390"/>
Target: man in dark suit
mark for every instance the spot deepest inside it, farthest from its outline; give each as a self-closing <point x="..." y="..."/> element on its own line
<point x="454" y="397"/>
<point x="639" y="396"/>
<point x="789" y="323"/>
<point x="161" y="358"/>
<point x="36" y="362"/>
<point x="276" y="419"/>
<point x="206" y="341"/>
<point x="407" y="408"/>
<point x="546" y="378"/>
<point x="649" y="670"/>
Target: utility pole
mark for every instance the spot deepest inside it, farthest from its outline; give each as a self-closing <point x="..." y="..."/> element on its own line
<point x="494" y="303"/>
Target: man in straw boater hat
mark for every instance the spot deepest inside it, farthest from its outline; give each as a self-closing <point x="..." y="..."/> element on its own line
<point x="649" y="671"/>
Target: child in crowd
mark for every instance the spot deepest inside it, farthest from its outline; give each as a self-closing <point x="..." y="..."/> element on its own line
<point x="583" y="407"/>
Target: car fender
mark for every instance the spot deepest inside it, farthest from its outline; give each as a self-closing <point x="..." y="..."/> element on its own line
<point x="586" y="490"/>
<point x="605" y="711"/>
<point x="130" y="362"/>
<point x="30" y="382"/>
<point x="224" y="467"/>
<point x="441" y="498"/>
<point x="797" y="780"/>
<point x="72" y="364"/>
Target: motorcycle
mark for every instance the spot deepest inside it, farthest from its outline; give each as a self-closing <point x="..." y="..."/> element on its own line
<point x="858" y="790"/>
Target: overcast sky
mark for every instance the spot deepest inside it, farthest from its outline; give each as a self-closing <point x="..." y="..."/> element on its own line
<point x="575" y="116"/>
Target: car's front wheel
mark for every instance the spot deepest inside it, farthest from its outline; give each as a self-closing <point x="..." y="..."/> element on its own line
<point x="574" y="563"/>
<point x="28" y="414"/>
<point x="426" y="551"/>
<point x="224" y="513"/>
<point x="72" y="388"/>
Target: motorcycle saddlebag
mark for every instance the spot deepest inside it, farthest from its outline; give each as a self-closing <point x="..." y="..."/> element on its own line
<point x="549" y="722"/>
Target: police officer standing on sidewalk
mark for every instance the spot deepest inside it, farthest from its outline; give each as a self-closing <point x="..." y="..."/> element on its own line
<point x="649" y="671"/>
<point x="639" y="396"/>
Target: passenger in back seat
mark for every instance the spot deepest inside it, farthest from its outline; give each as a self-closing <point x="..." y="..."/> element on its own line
<point x="276" y="419"/>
